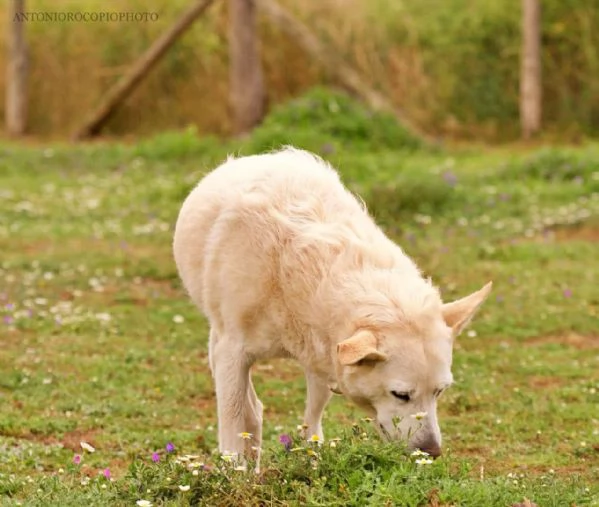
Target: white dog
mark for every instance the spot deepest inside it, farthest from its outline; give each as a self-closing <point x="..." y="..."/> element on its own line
<point x="285" y="262"/>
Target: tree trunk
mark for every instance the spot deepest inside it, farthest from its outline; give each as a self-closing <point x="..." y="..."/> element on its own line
<point x="333" y="63"/>
<point x="16" y="76"/>
<point x="246" y="92"/>
<point x="530" y="79"/>
<point x="140" y="69"/>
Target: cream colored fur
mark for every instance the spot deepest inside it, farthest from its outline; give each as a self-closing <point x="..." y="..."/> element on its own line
<point x="285" y="262"/>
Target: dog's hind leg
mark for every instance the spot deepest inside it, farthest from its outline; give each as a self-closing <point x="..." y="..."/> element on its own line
<point x="319" y="395"/>
<point x="230" y="369"/>
<point x="253" y="423"/>
<point x="212" y="339"/>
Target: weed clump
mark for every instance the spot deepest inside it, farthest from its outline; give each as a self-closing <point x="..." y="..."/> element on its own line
<point x="554" y="164"/>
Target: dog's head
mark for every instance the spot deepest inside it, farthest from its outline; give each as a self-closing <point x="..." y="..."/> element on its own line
<point x="397" y="374"/>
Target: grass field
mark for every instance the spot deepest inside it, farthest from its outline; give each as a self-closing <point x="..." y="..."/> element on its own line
<point x="99" y="344"/>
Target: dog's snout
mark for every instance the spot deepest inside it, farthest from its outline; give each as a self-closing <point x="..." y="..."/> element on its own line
<point x="433" y="449"/>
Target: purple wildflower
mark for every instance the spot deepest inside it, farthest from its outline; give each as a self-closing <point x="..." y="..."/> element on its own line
<point x="286" y="441"/>
<point x="155" y="457"/>
<point x="450" y="178"/>
<point x="106" y="473"/>
<point x="327" y="149"/>
<point x="77" y="459"/>
<point x="411" y="237"/>
<point x="170" y="447"/>
<point x="8" y="319"/>
<point x="567" y="293"/>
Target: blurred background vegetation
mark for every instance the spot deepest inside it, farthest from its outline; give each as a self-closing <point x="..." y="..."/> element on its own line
<point x="451" y="65"/>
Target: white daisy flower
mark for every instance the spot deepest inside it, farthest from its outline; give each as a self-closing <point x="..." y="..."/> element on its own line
<point x="424" y="461"/>
<point x="419" y="415"/>
<point x="87" y="447"/>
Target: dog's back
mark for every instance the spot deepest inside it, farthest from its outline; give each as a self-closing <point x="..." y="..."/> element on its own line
<point x="259" y="237"/>
<point x="288" y="195"/>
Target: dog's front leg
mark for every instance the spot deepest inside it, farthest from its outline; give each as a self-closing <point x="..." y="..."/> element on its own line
<point x="319" y="395"/>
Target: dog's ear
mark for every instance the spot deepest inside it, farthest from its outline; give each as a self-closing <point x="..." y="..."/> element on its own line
<point x="458" y="314"/>
<point x="360" y="347"/>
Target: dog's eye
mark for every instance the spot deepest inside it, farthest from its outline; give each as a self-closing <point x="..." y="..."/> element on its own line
<point x="405" y="397"/>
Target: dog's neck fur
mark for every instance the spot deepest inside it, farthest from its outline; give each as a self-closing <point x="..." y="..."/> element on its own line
<point x="357" y="281"/>
<point x="360" y="300"/>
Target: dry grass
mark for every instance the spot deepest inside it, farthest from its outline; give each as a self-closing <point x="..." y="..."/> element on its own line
<point x="73" y="64"/>
<point x="451" y="66"/>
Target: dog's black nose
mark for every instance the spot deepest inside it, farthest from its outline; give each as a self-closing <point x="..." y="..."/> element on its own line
<point x="433" y="450"/>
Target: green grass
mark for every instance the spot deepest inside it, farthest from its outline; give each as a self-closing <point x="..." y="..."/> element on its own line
<point x="93" y="348"/>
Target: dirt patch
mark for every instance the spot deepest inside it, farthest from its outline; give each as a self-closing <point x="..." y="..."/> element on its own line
<point x="72" y="440"/>
<point x="474" y="451"/>
<point x="563" y="234"/>
<point x="559" y="470"/>
<point x="68" y="246"/>
<point x="588" y="232"/>
<point x="285" y="370"/>
<point x="575" y="340"/>
<point x="540" y="382"/>
<point x="205" y="403"/>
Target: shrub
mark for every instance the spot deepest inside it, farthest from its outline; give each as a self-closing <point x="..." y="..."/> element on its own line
<point x="325" y="121"/>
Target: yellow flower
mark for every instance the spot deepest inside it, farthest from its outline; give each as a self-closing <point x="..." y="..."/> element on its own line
<point x="227" y="457"/>
<point x="245" y="435"/>
<point x="314" y="438"/>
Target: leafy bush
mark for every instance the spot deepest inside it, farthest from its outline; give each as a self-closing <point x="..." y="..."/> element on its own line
<point x="325" y="121"/>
